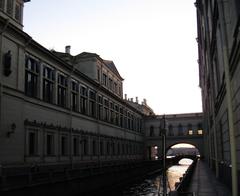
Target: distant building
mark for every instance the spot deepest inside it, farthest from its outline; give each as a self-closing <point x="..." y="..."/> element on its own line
<point x="219" y="69"/>
<point x="179" y="128"/>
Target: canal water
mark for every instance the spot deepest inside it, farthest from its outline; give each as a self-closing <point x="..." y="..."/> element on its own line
<point x="152" y="185"/>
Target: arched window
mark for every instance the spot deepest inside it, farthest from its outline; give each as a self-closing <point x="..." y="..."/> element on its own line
<point x="180" y="129"/>
<point x="170" y="130"/>
<point x="190" y="130"/>
<point x="151" y="131"/>
<point x="200" y="130"/>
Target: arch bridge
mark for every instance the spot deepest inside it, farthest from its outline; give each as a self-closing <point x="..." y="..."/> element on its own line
<point x="180" y="128"/>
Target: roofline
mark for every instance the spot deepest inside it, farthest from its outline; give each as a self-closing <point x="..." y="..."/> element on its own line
<point x="32" y="42"/>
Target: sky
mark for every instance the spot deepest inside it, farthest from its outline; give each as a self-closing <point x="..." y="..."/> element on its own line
<point x="152" y="43"/>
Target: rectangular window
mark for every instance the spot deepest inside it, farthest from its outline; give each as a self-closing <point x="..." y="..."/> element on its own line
<point x="105" y="110"/>
<point x="101" y="148"/>
<point x="108" y="148"/>
<point x="112" y="115"/>
<point x="100" y="107"/>
<point x="83" y="100"/>
<point x="94" y="148"/>
<point x="50" y="144"/>
<point x="121" y="117"/>
<point x="110" y="83"/>
<point x="32" y="143"/>
<point x="115" y="89"/>
<point x="116" y="115"/>
<point x="74" y="96"/>
<point x="92" y="103"/>
<point x="31" y="76"/>
<point x="64" y="147"/>
<point x="200" y="131"/>
<point x="75" y="146"/>
<point x="18" y="12"/>
<point x="62" y="90"/>
<point x="98" y="75"/>
<point x="10" y="7"/>
<point x="85" y="146"/>
<point x="48" y="84"/>
<point x="190" y="132"/>
<point x="104" y="79"/>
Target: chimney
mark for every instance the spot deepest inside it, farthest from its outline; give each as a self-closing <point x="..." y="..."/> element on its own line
<point x="145" y="101"/>
<point x="125" y="96"/>
<point x="67" y="49"/>
<point x="131" y="99"/>
<point x="136" y="99"/>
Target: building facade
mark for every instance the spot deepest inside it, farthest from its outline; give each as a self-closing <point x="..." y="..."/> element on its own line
<point x="218" y="46"/>
<point x="61" y="109"/>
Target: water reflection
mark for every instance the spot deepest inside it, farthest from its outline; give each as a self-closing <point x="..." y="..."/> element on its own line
<point x="177" y="171"/>
<point x="152" y="186"/>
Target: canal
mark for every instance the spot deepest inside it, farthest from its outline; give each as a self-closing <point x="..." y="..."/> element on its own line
<point x="152" y="185"/>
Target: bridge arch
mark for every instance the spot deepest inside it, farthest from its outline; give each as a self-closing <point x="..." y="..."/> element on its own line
<point x="197" y="144"/>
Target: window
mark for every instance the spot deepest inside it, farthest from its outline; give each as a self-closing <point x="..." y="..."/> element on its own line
<point x="108" y="148"/>
<point x="190" y="132"/>
<point x="200" y="131"/>
<point x="64" y="147"/>
<point x="94" y="148"/>
<point x="119" y="89"/>
<point x="170" y="130"/>
<point x="113" y="148"/>
<point x="50" y="144"/>
<point x="151" y="131"/>
<point x="125" y="125"/>
<point x="104" y="79"/>
<point x="98" y="75"/>
<point x="83" y="100"/>
<point x="85" y="146"/>
<point x="110" y="83"/>
<point x="10" y="7"/>
<point x="123" y="149"/>
<point x="132" y="120"/>
<point x="32" y="143"/>
<point x="18" y="12"/>
<point x="62" y="90"/>
<point x="121" y="117"/>
<point x="48" y="84"/>
<point x="100" y="107"/>
<point x="105" y="110"/>
<point x="2" y="4"/>
<point x="31" y="76"/>
<point x="180" y="129"/>
<point x="111" y="112"/>
<point x="101" y="148"/>
<point x="74" y="96"/>
<point x="92" y="103"/>
<point x="115" y="89"/>
<point x="116" y="115"/>
<point x="75" y="146"/>
<point x="118" y="149"/>
<point x="128" y="121"/>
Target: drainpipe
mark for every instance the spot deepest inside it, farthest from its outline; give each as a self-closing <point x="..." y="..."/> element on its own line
<point x="229" y="99"/>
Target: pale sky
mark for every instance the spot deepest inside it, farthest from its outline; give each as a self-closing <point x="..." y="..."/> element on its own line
<point x="152" y="43"/>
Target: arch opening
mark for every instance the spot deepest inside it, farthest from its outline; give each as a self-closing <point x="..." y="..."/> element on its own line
<point x="182" y="149"/>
